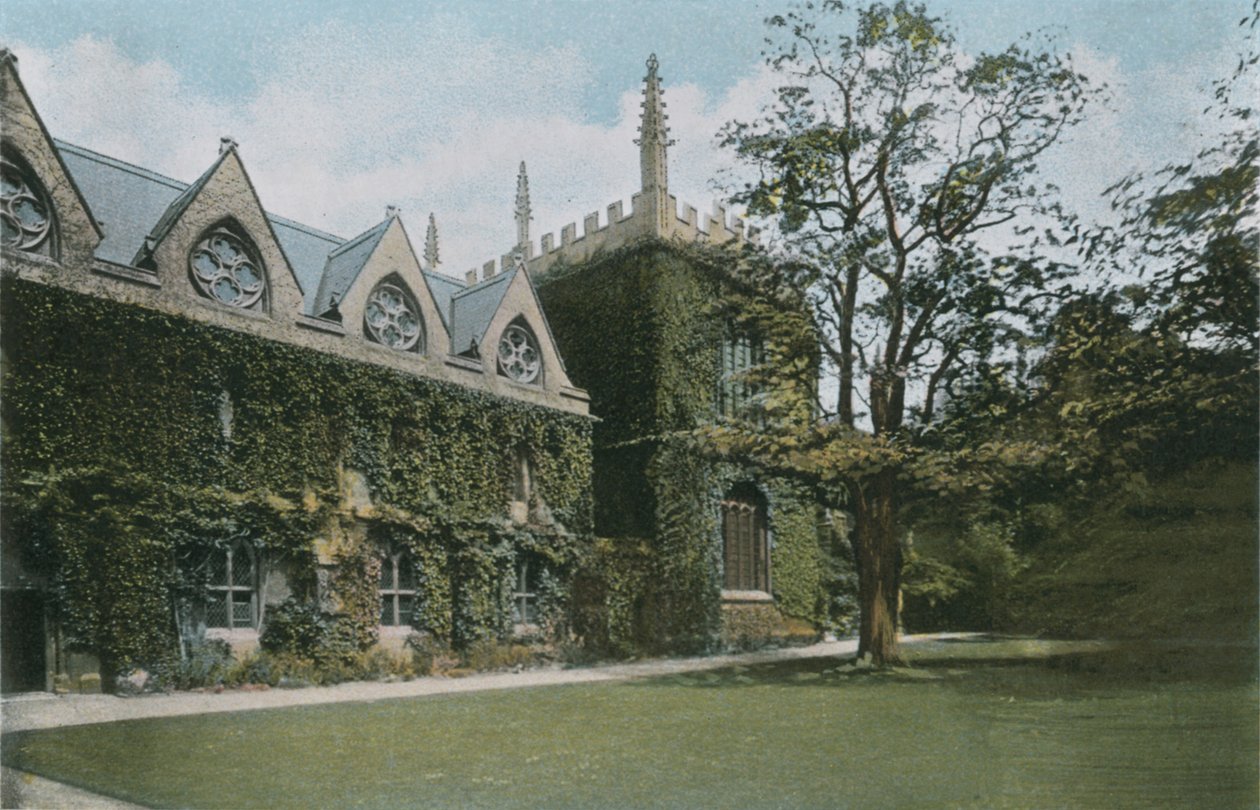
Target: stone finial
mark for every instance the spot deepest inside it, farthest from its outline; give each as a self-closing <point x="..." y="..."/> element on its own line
<point x="431" y="260"/>
<point x="653" y="140"/>
<point x="9" y="56"/>
<point x="523" y="213"/>
<point x="226" y="144"/>
<point x="392" y="211"/>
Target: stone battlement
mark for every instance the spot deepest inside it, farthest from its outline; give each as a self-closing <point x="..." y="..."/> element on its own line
<point x="619" y="228"/>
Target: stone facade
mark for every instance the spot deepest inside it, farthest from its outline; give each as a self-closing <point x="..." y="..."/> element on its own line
<point x="127" y="237"/>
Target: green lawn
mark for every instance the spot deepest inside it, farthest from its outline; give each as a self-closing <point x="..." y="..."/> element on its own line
<point x="973" y="724"/>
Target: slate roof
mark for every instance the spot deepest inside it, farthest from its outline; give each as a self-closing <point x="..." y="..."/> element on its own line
<point x="473" y="308"/>
<point x="444" y="288"/>
<point x="344" y="265"/>
<point x="132" y="202"/>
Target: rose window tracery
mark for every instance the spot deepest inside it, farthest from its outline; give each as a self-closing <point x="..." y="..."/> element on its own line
<point x="25" y="215"/>
<point x="225" y="271"/>
<point x="519" y="358"/>
<point x="391" y="318"/>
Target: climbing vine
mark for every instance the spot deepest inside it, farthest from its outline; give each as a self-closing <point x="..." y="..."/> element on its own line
<point x="639" y="328"/>
<point x="136" y="441"/>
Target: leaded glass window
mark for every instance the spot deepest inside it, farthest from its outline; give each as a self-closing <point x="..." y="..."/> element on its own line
<point x="737" y="356"/>
<point x="519" y="358"/>
<point x="26" y="219"/>
<point x="224" y="269"/>
<point x="232" y="600"/>
<point x="525" y="593"/>
<point x="745" y="542"/>
<point x="392" y="318"/>
<point x="398" y="589"/>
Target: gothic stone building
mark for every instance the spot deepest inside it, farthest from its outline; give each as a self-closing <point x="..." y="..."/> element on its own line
<point x="214" y="416"/>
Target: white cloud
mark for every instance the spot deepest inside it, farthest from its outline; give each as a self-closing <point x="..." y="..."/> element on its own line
<point x="357" y="118"/>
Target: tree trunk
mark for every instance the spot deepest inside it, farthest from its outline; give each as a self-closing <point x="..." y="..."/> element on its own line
<point x="877" y="555"/>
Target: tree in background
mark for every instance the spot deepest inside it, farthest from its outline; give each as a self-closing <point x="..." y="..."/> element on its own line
<point x="886" y="158"/>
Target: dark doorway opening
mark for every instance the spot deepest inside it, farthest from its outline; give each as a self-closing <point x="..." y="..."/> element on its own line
<point x="22" y="662"/>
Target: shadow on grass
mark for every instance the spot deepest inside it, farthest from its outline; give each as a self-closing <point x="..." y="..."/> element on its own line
<point x="1024" y="664"/>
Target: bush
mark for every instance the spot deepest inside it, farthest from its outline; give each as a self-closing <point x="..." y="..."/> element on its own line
<point x="206" y="663"/>
<point x="488" y="655"/>
<point x="306" y="632"/>
<point x="429" y="656"/>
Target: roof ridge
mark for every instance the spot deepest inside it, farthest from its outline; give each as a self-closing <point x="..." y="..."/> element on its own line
<point x="358" y="240"/>
<point x="149" y="174"/>
<point x="313" y="231"/>
<point x="484" y="283"/>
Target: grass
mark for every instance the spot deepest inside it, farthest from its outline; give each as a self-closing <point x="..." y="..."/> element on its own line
<point x="992" y="723"/>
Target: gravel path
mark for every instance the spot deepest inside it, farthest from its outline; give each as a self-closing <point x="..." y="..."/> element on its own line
<point x="42" y="710"/>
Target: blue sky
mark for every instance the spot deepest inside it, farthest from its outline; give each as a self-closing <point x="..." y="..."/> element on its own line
<point x="344" y="107"/>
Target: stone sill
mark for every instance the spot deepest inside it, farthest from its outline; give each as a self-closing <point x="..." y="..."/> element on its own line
<point x="320" y="324"/>
<point x="746" y="596"/>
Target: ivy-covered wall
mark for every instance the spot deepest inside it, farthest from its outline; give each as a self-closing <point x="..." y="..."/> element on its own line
<point x="135" y="440"/>
<point x="639" y="328"/>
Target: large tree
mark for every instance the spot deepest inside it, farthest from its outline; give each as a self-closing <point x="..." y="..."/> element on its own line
<point x="890" y="160"/>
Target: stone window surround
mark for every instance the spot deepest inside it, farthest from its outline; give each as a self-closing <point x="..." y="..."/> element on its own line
<point x="46" y="245"/>
<point x="228" y="589"/>
<point x="392" y="563"/>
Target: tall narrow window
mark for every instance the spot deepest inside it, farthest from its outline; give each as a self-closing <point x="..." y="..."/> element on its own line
<point x="225" y="269"/>
<point x="745" y="542"/>
<point x="519" y="358"/>
<point x="737" y="356"/>
<point x="26" y="215"/>
<point x="233" y="589"/>
<point x="392" y="317"/>
<point x="398" y="590"/>
<point x="525" y="593"/>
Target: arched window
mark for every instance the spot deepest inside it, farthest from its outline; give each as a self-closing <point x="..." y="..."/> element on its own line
<point x="745" y="541"/>
<point x="392" y="317"/>
<point x="398" y="589"/>
<point x="224" y="268"/>
<point x="232" y="591"/>
<point x="519" y="357"/>
<point x="26" y="214"/>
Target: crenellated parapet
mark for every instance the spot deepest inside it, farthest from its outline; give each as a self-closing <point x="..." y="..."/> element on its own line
<point x="616" y="228"/>
<point x="654" y="212"/>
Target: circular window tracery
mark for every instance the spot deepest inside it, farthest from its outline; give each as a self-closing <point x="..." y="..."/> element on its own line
<point x="391" y="318"/>
<point x="519" y="358"/>
<point x="25" y="215"/>
<point x="224" y="270"/>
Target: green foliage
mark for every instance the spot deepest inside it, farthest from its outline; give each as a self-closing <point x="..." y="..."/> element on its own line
<point x="640" y="328"/>
<point x="123" y="467"/>
<point x="1175" y="559"/>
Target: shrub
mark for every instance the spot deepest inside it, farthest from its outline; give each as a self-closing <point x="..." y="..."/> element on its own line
<point x="429" y="656"/>
<point x="488" y="655"/>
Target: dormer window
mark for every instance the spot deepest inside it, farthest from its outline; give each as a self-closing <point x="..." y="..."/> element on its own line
<point x="519" y="358"/>
<point x="225" y="269"/>
<point x="26" y="219"/>
<point x="392" y="318"/>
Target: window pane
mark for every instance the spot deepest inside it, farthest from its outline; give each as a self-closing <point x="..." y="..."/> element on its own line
<point x="387" y="610"/>
<point x="216" y="611"/>
<point x="387" y="574"/>
<point x="242" y="571"/>
<point x="242" y="610"/>
<point x="218" y="568"/>
<point x="406" y="574"/>
<point x="406" y="609"/>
